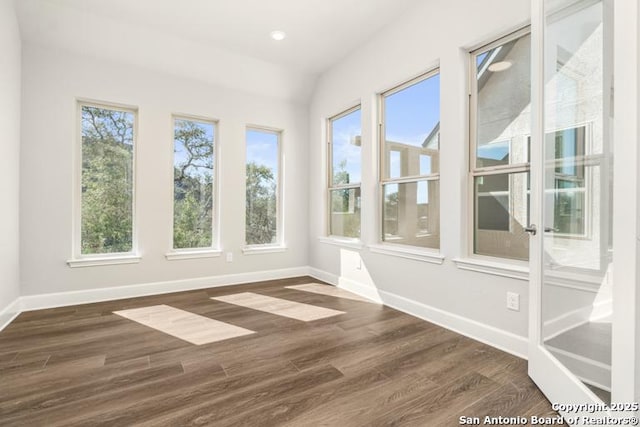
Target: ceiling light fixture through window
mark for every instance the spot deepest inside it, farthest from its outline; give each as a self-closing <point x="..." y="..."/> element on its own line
<point x="278" y="35"/>
<point x="500" y="66"/>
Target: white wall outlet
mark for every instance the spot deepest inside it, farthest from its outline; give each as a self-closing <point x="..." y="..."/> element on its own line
<point x="229" y="256"/>
<point x="513" y="301"/>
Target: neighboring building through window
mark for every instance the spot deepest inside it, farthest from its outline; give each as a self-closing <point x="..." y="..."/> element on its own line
<point x="410" y="144"/>
<point x="501" y="125"/>
<point x="193" y="183"/>
<point x="344" y="137"/>
<point x="568" y="148"/>
<point x="107" y="179"/>
<point x="262" y="187"/>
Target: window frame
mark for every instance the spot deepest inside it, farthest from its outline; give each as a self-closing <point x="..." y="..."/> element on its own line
<point x="588" y="160"/>
<point x="210" y="251"/>
<point x="473" y="170"/>
<point x="383" y="160"/>
<point x="330" y="186"/>
<point x="279" y="243"/>
<point x="78" y="259"/>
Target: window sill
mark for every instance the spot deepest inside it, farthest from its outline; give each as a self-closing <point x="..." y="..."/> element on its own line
<point x="494" y="268"/>
<point x="336" y="241"/>
<point x="408" y="252"/>
<point x="104" y="260"/>
<point x="263" y="249"/>
<point x="193" y="254"/>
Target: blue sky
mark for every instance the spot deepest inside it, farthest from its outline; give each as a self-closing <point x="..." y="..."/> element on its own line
<point x="180" y="154"/>
<point x="481" y="57"/>
<point x="412" y="113"/>
<point x="410" y="116"/>
<point x="262" y="148"/>
<point x="344" y="131"/>
<point x="422" y="191"/>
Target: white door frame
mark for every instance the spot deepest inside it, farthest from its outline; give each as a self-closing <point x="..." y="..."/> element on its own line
<point x="625" y="369"/>
<point x="553" y="378"/>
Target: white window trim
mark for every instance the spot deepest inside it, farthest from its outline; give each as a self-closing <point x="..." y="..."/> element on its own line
<point x="279" y="192"/>
<point x="477" y="262"/>
<point x="382" y="245"/>
<point x="264" y="249"/>
<point x="494" y="266"/>
<point x="345" y="242"/>
<point x="432" y="256"/>
<point x="329" y="187"/>
<point x="180" y="253"/>
<point x="96" y="261"/>
<point x="588" y="160"/>
<point x="78" y="259"/>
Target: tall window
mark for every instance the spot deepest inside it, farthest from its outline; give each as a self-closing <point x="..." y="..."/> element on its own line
<point x="573" y="167"/>
<point x="107" y="179"/>
<point x="262" y="187"/>
<point x="344" y="133"/>
<point x="193" y="176"/>
<point x="500" y="135"/>
<point x="410" y="143"/>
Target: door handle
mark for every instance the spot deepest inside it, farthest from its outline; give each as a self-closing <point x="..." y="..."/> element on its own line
<point x="531" y="229"/>
<point x="550" y="229"/>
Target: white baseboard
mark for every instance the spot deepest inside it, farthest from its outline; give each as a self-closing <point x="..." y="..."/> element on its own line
<point x="323" y="275"/>
<point x="368" y="292"/>
<point x="490" y="335"/>
<point x="9" y="313"/>
<point x="501" y="339"/>
<point x="61" y="299"/>
<point x="588" y="370"/>
<point x="572" y="319"/>
<point x="553" y="327"/>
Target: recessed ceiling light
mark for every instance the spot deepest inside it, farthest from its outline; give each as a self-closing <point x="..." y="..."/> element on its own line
<point x="278" y="35"/>
<point x="500" y="66"/>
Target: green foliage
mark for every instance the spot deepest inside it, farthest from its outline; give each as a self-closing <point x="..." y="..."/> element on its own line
<point x="107" y="181"/>
<point x="390" y="214"/>
<point x="193" y="185"/>
<point x="340" y="174"/>
<point x="261" y="205"/>
<point x="345" y="210"/>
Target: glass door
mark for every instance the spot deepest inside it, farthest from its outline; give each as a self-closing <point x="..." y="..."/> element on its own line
<point x="572" y="255"/>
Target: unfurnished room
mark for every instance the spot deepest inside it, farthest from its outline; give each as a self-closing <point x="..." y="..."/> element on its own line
<point x="319" y="213"/>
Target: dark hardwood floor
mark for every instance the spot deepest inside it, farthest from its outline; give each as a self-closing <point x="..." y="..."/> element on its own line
<point x="372" y="366"/>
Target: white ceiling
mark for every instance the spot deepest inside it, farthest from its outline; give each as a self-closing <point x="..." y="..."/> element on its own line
<point x="319" y="32"/>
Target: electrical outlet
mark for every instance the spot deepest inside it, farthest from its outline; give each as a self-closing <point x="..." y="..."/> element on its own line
<point x="513" y="301"/>
<point x="229" y="256"/>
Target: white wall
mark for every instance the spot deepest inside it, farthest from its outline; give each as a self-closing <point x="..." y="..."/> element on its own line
<point x="10" y="158"/>
<point x="438" y="31"/>
<point x="120" y="38"/>
<point x="53" y="78"/>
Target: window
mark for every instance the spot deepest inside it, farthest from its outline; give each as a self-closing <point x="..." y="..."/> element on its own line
<point x="262" y="186"/>
<point x="410" y="144"/>
<point x="344" y="132"/>
<point x="568" y="148"/>
<point x="500" y="134"/>
<point x="107" y="179"/>
<point x="193" y="183"/>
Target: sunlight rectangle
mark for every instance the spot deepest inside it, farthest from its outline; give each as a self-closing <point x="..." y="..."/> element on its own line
<point x="329" y="290"/>
<point x="280" y="307"/>
<point x="182" y="324"/>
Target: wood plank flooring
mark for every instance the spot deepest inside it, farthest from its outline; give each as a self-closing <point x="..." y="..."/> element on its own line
<point x="370" y="366"/>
